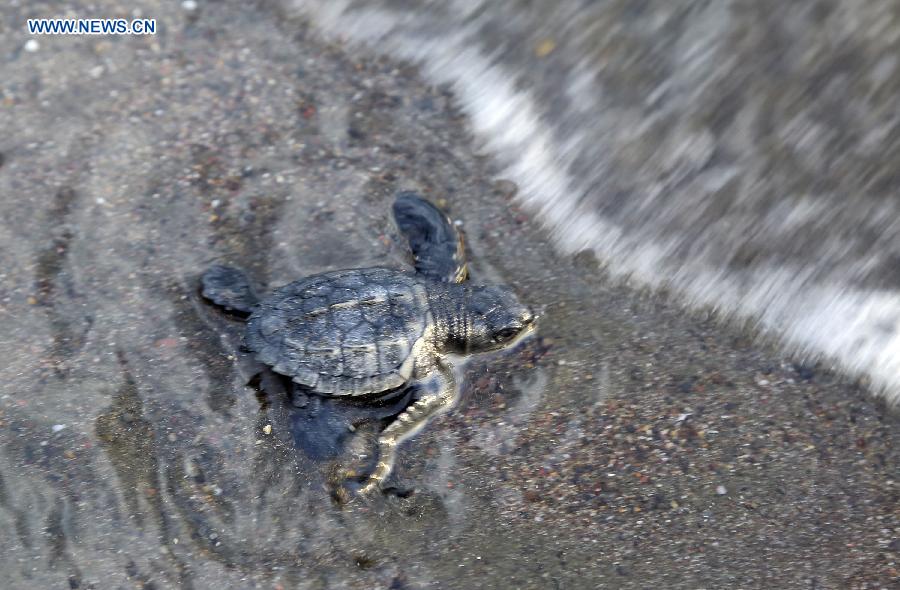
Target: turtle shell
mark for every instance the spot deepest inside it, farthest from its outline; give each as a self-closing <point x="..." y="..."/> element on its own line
<point x="347" y="332"/>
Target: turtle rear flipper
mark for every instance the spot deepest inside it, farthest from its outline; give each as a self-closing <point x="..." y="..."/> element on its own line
<point x="436" y="245"/>
<point x="230" y="288"/>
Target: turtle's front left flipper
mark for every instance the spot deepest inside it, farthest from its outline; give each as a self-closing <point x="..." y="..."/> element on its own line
<point x="436" y="245"/>
<point x="230" y="288"/>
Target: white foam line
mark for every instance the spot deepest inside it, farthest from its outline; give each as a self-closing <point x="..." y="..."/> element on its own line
<point x="856" y="328"/>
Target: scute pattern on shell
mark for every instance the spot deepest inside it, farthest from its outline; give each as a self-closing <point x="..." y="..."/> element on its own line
<point x="346" y="332"/>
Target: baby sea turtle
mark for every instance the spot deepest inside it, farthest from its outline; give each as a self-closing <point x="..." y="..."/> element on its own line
<point x="369" y="333"/>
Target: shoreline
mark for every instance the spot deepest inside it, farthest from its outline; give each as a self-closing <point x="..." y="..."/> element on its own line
<point x="630" y="444"/>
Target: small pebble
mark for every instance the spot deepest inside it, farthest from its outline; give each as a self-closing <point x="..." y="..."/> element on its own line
<point x="506" y="188"/>
<point x="267" y="429"/>
<point x="721" y="490"/>
<point x="545" y="48"/>
<point x="32" y="45"/>
<point x="189" y="5"/>
<point x="57" y="427"/>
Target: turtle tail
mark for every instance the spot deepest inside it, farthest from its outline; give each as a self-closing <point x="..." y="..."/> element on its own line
<point x="436" y="245"/>
<point x="230" y="288"/>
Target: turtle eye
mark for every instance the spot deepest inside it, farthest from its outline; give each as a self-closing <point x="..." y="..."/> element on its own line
<point x="505" y="334"/>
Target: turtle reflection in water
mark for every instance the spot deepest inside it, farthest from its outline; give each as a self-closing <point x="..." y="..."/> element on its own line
<point x="376" y="334"/>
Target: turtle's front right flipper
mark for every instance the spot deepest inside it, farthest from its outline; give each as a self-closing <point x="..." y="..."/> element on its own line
<point x="436" y="245"/>
<point x="230" y="288"/>
<point x="440" y="398"/>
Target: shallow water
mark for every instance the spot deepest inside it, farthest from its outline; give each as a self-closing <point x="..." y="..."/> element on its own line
<point x="630" y="443"/>
<point x="742" y="154"/>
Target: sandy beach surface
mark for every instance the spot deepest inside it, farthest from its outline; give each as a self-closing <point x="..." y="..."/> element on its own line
<point x="631" y="444"/>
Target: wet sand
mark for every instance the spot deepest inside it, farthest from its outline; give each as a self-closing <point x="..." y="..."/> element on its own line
<point x="631" y="444"/>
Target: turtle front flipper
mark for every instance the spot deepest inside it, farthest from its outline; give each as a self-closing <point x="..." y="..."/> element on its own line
<point x="230" y="288"/>
<point x="442" y="396"/>
<point x="436" y="245"/>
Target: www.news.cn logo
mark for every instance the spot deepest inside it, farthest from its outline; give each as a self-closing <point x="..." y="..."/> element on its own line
<point x="91" y="26"/>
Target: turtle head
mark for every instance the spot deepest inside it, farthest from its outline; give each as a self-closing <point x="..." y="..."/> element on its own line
<point x="496" y="316"/>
